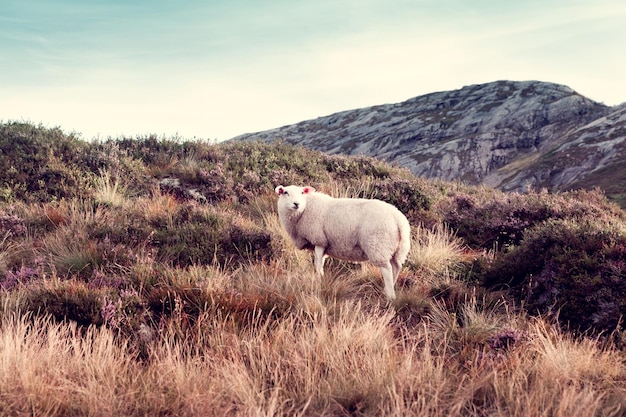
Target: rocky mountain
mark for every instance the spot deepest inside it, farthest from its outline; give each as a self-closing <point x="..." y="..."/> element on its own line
<point x="508" y="135"/>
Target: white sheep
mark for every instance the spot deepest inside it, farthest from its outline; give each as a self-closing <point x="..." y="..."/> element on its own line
<point x="352" y="229"/>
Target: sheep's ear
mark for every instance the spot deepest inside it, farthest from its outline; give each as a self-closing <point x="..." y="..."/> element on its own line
<point x="308" y="190"/>
<point x="279" y="190"/>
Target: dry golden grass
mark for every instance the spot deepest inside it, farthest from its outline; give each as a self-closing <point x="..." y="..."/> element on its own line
<point x="434" y="251"/>
<point x="50" y="369"/>
<point x="344" y="358"/>
<point x="362" y="187"/>
<point x="109" y="191"/>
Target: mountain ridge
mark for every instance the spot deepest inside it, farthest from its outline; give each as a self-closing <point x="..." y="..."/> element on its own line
<point x="510" y="135"/>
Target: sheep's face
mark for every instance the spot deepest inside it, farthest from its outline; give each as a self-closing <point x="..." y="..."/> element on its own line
<point x="293" y="198"/>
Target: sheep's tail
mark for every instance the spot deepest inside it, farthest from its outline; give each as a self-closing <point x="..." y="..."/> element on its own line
<point x="404" y="245"/>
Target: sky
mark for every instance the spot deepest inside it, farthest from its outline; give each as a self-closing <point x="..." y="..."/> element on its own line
<point x="214" y="69"/>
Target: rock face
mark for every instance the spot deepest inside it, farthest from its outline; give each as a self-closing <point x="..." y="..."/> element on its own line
<point x="507" y="135"/>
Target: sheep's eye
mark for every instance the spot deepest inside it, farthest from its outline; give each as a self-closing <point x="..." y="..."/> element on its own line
<point x="285" y="192"/>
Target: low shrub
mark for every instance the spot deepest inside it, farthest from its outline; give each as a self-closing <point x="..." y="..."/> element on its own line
<point x="126" y="312"/>
<point x="499" y="220"/>
<point x="406" y="195"/>
<point x="575" y="268"/>
<point x="341" y="166"/>
<point x="39" y="164"/>
<point x="202" y="235"/>
<point x="186" y="304"/>
<point x="67" y="300"/>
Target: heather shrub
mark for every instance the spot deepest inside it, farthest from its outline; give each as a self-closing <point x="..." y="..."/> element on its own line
<point x="11" y="225"/>
<point x="573" y="268"/>
<point x="161" y="154"/>
<point x="499" y="220"/>
<point x="126" y="312"/>
<point x="182" y="303"/>
<point x="12" y="233"/>
<point x="272" y="160"/>
<point x="202" y="235"/>
<point x="268" y="161"/>
<point x="42" y="165"/>
<point x="109" y="159"/>
<point x="39" y="164"/>
<point x="77" y="241"/>
<point x="406" y="195"/>
<point x="66" y="300"/>
<point x="176" y="233"/>
<point x="237" y="172"/>
<point x="28" y="271"/>
<point x="240" y="171"/>
<point x="354" y="166"/>
<point x="193" y="238"/>
<point x="186" y="304"/>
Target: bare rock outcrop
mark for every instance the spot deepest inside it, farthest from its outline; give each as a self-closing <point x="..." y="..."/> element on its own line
<point x="505" y="134"/>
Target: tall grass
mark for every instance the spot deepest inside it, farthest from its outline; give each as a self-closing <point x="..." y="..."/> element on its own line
<point x="435" y="250"/>
<point x="109" y="191"/>
<point x="346" y="359"/>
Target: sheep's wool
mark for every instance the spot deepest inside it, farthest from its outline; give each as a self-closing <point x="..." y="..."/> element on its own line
<point x="352" y="229"/>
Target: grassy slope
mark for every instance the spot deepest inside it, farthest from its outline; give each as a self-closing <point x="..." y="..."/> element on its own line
<point x="123" y="294"/>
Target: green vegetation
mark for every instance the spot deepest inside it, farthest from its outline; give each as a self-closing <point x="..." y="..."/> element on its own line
<point x="151" y="276"/>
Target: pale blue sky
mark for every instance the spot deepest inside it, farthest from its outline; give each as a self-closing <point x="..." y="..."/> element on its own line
<point x="216" y="69"/>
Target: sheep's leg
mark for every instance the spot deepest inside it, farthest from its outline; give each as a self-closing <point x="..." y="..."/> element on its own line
<point x="319" y="259"/>
<point x="388" y="278"/>
<point x="396" y="267"/>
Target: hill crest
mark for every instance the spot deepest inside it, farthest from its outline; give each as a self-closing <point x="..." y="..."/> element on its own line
<point x="511" y="135"/>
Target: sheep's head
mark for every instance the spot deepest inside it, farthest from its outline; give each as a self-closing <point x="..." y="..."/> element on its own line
<point x="292" y="197"/>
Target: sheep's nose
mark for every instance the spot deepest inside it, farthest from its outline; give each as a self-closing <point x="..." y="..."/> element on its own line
<point x="296" y="205"/>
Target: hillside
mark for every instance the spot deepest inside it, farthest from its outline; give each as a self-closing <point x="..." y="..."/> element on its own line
<point x="508" y="135"/>
<point x="151" y="276"/>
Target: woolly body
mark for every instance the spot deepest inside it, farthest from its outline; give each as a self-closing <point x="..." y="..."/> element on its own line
<point x="352" y="229"/>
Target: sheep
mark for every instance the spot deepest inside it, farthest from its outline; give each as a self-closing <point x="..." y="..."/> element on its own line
<point x="351" y="229"/>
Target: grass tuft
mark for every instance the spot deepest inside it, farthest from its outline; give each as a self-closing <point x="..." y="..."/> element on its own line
<point x="109" y="191"/>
